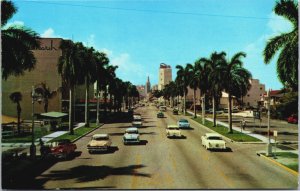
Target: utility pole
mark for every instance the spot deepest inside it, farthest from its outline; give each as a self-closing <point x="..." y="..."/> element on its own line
<point x="269" y="146"/>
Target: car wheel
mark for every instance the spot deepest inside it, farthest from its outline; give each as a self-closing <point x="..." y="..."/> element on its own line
<point x="91" y="152"/>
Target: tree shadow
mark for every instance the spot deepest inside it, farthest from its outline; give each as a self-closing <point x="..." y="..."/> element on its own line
<point x="86" y="173"/>
<point x="191" y="128"/>
<point x="116" y="134"/>
<point x="148" y="133"/>
<point x="145" y="126"/>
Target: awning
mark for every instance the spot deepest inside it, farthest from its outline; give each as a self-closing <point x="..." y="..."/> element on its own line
<point x="53" y="114"/>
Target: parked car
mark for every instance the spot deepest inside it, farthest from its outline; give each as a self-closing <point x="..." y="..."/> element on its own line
<point x="292" y="119"/>
<point x="62" y="148"/>
<point x="160" y="114"/>
<point x="213" y="141"/>
<point x="99" y="142"/>
<point x="173" y="131"/>
<point x="175" y="111"/>
<point x="183" y="123"/>
<point x="131" y="136"/>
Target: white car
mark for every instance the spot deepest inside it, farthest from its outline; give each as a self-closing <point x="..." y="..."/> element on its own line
<point x="131" y="136"/>
<point x="137" y="121"/>
<point x="213" y="141"/>
<point x="173" y="131"/>
<point x="99" y="142"/>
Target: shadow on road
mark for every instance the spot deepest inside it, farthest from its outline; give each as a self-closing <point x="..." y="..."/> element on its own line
<point x="142" y="142"/>
<point x="110" y="150"/>
<point x="182" y="137"/>
<point x="86" y="173"/>
<point x="191" y="128"/>
<point x="148" y="133"/>
<point x="228" y="149"/>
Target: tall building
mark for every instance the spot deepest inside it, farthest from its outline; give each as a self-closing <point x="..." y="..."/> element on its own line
<point x="255" y="94"/>
<point x="141" y="90"/>
<point x="165" y="75"/>
<point x="148" y="86"/>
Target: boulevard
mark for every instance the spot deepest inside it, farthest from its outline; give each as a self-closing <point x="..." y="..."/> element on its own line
<point x="162" y="163"/>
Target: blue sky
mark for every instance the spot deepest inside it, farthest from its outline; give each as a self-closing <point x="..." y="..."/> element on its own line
<point x="139" y="35"/>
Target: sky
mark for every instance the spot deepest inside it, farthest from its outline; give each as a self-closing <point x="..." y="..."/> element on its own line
<point x="138" y="35"/>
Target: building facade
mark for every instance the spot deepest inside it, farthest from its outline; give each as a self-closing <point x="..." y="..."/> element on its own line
<point x="165" y="75"/>
<point x="141" y="90"/>
<point x="45" y="71"/>
<point x="255" y="94"/>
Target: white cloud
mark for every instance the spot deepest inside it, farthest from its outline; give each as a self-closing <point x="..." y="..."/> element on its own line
<point x="48" y="33"/>
<point x="15" y="23"/>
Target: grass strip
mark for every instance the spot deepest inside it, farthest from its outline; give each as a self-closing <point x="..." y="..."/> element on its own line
<point x="77" y="133"/>
<point x="235" y="135"/>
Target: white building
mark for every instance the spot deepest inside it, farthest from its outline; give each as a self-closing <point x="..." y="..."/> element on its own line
<point x="165" y="75"/>
<point x="255" y="94"/>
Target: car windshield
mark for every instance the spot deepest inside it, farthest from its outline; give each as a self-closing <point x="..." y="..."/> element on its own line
<point x="100" y="138"/>
<point x="214" y="138"/>
<point x="183" y="121"/>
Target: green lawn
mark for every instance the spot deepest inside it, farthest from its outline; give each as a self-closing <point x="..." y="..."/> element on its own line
<point x="25" y="137"/>
<point x="235" y="136"/>
<point x="293" y="165"/>
<point x="77" y="133"/>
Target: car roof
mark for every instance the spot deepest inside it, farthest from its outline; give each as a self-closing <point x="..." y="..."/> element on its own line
<point x="174" y="126"/>
<point x="213" y="135"/>
<point x="132" y="129"/>
<point x="100" y="135"/>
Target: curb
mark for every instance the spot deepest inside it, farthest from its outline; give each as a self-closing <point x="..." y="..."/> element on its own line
<point x="279" y="164"/>
<point x="100" y="125"/>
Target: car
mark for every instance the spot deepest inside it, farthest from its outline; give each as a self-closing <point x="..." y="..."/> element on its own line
<point x="173" y="131"/>
<point x="62" y="148"/>
<point x="160" y="114"/>
<point x="292" y="119"/>
<point x="175" y="111"/>
<point x="131" y="136"/>
<point x="162" y="108"/>
<point x="137" y="121"/>
<point x="183" y="123"/>
<point x="213" y="141"/>
<point x="99" y="142"/>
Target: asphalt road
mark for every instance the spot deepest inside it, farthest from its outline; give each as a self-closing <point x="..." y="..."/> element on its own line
<point x="162" y="163"/>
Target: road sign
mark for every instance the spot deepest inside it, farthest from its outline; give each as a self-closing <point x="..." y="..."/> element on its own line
<point x="275" y="133"/>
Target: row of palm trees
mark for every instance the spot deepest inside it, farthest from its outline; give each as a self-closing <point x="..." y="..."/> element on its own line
<point x="211" y="75"/>
<point x="80" y="65"/>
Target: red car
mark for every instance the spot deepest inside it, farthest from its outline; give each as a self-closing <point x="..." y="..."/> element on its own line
<point x="293" y="119"/>
<point x="63" y="148"/>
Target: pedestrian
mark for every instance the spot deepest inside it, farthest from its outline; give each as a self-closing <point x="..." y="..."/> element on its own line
<point x="243" y="124"/>
<point x="42" y="148"/>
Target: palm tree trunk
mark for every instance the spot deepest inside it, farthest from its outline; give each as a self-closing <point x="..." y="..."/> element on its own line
<point x="97" y="109"/>
<point x="195" y="114"/>
<point x="203" y="109"/>
<point x="214" y="110"/>
<point x="86" y="116"/>
<point x="184" y="109"/>
<point x="19" y="116"/>
<point x="229" y="113"/>
<point x="105" y="102"/>
<point x="71" y="115"/>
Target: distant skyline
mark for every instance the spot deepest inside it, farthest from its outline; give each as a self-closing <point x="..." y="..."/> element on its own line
<point x="139" y="35"/>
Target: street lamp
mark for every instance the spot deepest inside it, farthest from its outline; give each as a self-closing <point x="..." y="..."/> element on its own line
<point x="34" y="97"/>
<point x="203" y="111"/>
<point x="269" y="146"/>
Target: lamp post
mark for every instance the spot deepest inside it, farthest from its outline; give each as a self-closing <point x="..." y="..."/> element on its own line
<point x="203" y="111"/>
<point x="269" y="146"/>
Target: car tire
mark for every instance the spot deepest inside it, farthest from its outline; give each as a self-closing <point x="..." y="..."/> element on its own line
<point x="91" y="152"/>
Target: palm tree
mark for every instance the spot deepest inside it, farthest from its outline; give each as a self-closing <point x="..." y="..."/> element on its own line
<point x="16" y="97"/>
<point x="183" y="79"/>
<point x="101" y="62"/>
<point x="234" y="76"/>
<point x="194" y="82"/>
<point x="286" y="44"/>
<point x="17" y="43"/>
<point x="215" y="77"/>
<point x="46" y="94"/>
<point x="69" y="69"/>
<point x="202" y="69"/>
